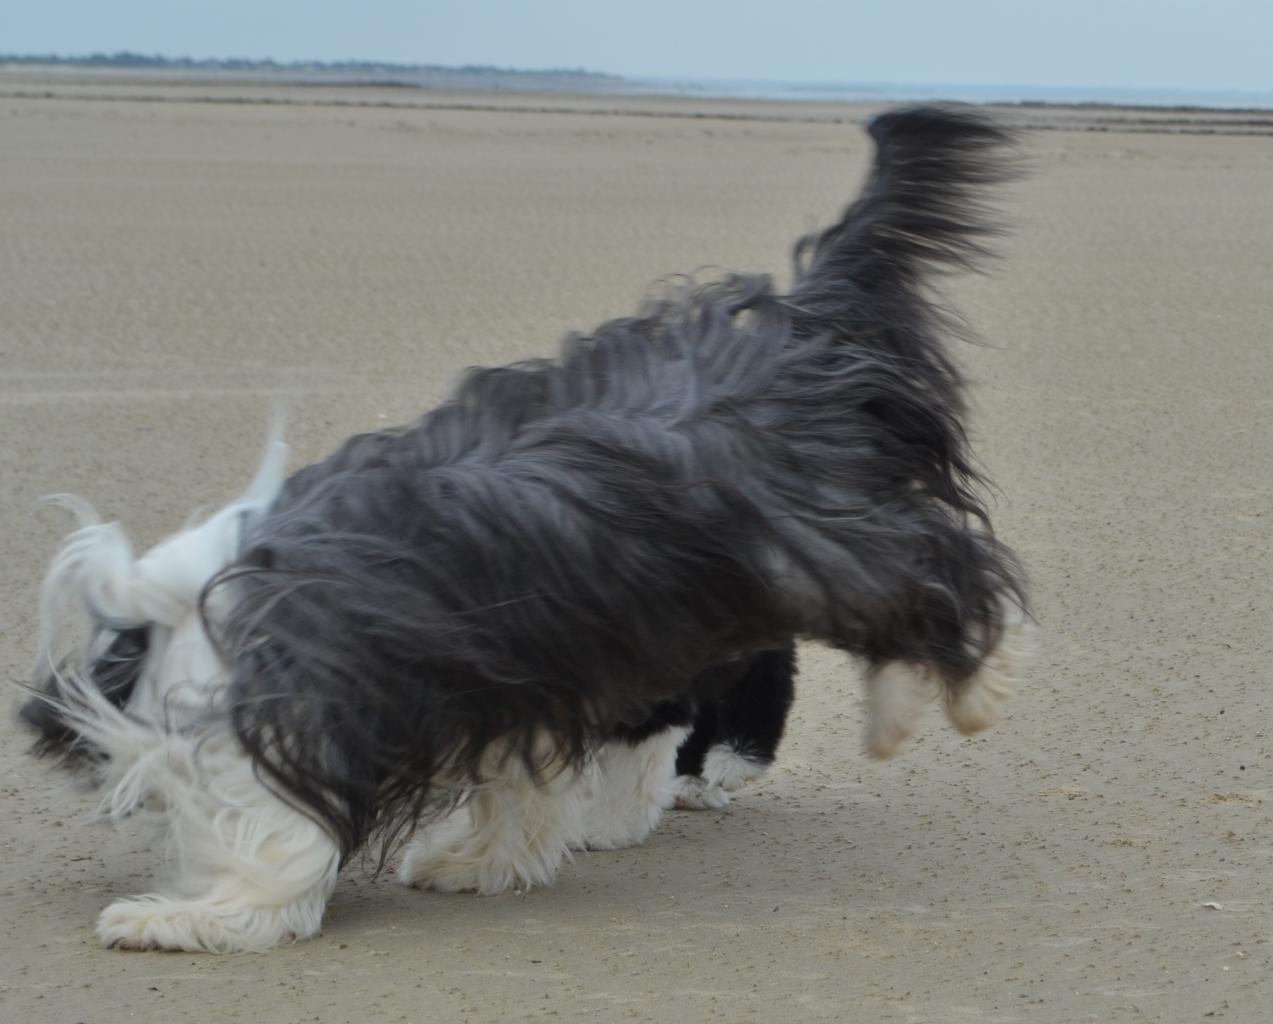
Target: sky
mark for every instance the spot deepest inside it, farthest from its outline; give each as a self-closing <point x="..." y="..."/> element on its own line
<point x="1162" y="44"/>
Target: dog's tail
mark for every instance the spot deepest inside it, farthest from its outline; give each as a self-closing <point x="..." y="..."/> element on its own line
<point x="136" y="612"/>
<point x="871" y="338"/>
<point x="922" y="209"/>
<point x="862" y="285"/>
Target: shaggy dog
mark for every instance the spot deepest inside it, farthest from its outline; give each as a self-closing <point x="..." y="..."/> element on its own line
<point x="484" y="636"/>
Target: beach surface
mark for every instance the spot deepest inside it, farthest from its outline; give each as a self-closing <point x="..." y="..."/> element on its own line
<point x="176" y="260"/>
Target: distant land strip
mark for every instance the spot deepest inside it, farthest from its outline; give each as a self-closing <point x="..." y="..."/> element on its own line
<point x="1089" y="117"/>
<point x="128" y="60"/>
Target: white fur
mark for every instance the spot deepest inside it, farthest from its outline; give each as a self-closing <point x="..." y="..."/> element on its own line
<point x="513" y="830"/>
<point x="629" y="788"/>
<point x="731" y="769"/>
<point x="96" y="572"/>
<point x="691" y="793"/>
<point x="896" y="694"/>
<point x="96" y="578"/>
<point x="253" y="871"/>
<point x="977" y="705"/>
<point x="725" y="769"/>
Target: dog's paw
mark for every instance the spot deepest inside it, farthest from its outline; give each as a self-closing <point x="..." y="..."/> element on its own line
<point x="205" y="926"/>
<point x="691" y="793"/>
<point x="731" y="769"/>
<point x="155" y="923"/>
<point x="978" y="704"/>
<point x="130" y="924"/>
<point x="441" y="873"/>
<point x="487" y="872"/>
<point x="458" y="872"/>
<point x="896" y="696"/>
<point x="439" y="857"/>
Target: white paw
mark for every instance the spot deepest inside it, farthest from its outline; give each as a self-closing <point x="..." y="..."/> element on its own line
<point x="896" y="695"/>
<point x="447" y="872"/>
<point x="448" y="857"/>
<point x="978" y="703"/>
<point x="730" y="769"/>
<point x="691" y="793"/>
<point x="152" y="922"/>
<point x="485" y="869"/>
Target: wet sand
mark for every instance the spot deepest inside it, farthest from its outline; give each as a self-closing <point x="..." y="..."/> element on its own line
<point x="168" y="268"/>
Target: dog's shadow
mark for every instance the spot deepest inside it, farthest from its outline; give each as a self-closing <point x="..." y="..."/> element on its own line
<point x="773" y="847"/>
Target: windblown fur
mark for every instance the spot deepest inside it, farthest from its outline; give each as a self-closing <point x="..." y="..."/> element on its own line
<point x="568" y="545"/>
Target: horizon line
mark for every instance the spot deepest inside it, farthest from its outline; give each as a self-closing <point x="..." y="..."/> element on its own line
<point x="136" y="58"/>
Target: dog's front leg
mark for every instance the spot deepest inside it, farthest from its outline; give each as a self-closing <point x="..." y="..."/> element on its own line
<point x="514" y="831"/>
<point x="254" y="872"/>
<point x="630" y="785"/>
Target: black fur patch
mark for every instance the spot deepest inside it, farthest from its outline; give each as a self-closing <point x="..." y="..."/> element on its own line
<point x="749" y="716"/>
<point x="115" y="673"/>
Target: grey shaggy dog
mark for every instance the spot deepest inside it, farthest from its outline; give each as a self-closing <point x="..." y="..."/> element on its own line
<point x="560" y="559"/>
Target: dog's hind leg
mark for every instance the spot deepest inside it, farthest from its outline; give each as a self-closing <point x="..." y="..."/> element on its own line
<point x="975" y="703"/>
<point x="514" y="830"/>
<point x="968" y="638"/>
<point x="896" y="694"/>
<point x="254" y="872"/>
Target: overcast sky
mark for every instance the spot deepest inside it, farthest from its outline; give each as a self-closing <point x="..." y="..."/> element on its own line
<point x="1172" y="44"/>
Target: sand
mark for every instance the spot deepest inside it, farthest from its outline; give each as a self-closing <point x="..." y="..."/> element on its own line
<point x="168" y="268"/>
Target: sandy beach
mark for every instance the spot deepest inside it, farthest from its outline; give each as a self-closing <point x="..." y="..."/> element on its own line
<point x="170" y="266"/>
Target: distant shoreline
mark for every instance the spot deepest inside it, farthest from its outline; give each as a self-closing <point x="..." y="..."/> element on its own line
<point x="128" y="61"/>
<point x="480" y="77"/>
<point x="569" y="92"/>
